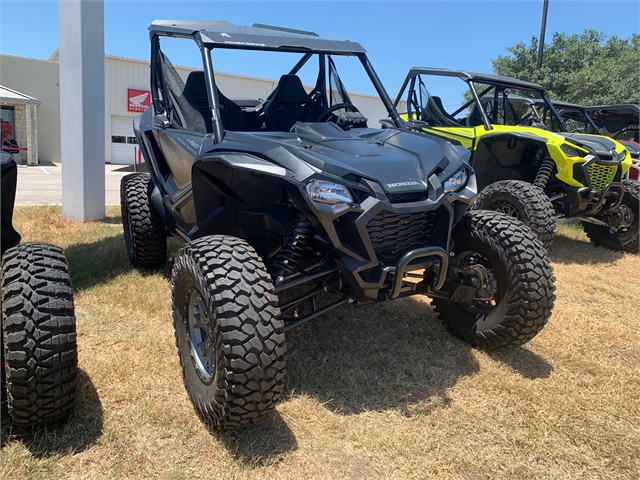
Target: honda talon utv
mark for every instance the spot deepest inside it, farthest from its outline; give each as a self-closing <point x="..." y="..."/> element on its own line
<point x="296" y="197"/>
<point x="619" y="122"/>
<point x="622" y="123"/>
<point x="522" y="169"/>
<point x="39" y="355"/>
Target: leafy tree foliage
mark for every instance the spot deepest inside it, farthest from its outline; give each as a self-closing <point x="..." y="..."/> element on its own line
<point x="580" y="68"/>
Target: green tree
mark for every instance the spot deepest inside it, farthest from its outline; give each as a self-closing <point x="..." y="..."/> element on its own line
<point x="579" y="68"/>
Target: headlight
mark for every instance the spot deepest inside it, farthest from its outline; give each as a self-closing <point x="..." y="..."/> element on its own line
<point x="621" y="155"/>
<point x="328" y="192"/>
<point x="572" y="152"/>
<point x="456" y="182"/>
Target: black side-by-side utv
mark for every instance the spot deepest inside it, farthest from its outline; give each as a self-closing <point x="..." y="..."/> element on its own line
<point x="39" y="354"/>
<point x="284" y="201"/>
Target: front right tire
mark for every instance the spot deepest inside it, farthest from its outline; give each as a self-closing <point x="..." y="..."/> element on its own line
<point x="624" y="239"/>
<point x="229" y="337"/>
<point x="521" y="276"/>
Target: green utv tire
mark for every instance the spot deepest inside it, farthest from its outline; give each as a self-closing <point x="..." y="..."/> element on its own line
<point x="229" y="337"/>
<point x="523" y="201"/>
<point x="38" y="335"/>
<point x="627" y="239"/>
<point x="145" y="234"/>
<point x="524" y="277"/>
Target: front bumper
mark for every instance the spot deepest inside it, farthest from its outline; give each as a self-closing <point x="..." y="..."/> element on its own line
<point x="378" y="240"/>
<point x="584" y="202"/>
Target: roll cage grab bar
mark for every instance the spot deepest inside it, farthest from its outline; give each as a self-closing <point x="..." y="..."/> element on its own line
<point x="212" y="92"/>
<point x="411" y="82"/>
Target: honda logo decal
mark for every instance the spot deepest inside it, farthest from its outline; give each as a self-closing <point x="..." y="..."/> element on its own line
<point x="138" y="100"/>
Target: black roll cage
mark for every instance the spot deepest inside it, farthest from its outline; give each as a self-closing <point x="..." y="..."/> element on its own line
<point x="206" y="48"/>
<point x="410" y="81"/>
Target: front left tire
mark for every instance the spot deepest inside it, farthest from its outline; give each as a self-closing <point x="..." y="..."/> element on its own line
<point x="229" y="336"/>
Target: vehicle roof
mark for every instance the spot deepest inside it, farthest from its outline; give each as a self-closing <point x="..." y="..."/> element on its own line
<point x="566" y="105"/>
<point x="223" y="34"/>
<point x="516" y="98"/>
<point x="476" y="77"/>
<point x="626" y="106"/>
<point x="538" y="102"/>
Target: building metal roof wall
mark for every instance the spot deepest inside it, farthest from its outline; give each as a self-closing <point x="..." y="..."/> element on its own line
<point x="39" y="79"/>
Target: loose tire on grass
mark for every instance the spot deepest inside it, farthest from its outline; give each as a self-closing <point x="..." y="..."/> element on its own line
<point x="627" y="240"/>
<point x="229" y="339"/>
<point x="38" y="335"/>
<point x="145" y="234"/>
<point x="525" y="283"/>
<point x="523" y="201"/>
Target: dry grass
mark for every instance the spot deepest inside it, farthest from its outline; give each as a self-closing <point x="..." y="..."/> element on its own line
<point x="372" y="392"/>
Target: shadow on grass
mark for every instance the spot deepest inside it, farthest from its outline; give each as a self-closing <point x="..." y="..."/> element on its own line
<point x="117" y="220"/>
<point x="261" y="444"/>
<point x="525" y="362"/>
<point x="568" y="250"/>
<point x="392" y="355"/>
<point x="78" y="433"/>
<point x="99" y="262"/>
<point x="386" y="356"/>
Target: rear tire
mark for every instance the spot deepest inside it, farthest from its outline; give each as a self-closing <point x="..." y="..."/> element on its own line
<point x="523" y="201"/>
<point x="627" y="240"/>
<point x="38" y="335"/>
<point x="229" y="338"/>
<point x="145" y="234"/>
<point x="525" y="283"/>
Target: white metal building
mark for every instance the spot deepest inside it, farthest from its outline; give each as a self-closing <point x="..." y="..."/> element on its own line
<point x="126" y="95"/>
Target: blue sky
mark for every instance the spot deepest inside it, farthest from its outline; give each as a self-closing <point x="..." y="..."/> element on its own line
<point x="451" y="34"/>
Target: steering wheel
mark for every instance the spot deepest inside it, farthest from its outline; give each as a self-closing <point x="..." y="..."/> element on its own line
<point x="326" y="115"/>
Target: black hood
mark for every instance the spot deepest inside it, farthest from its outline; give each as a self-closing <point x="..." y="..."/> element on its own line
<point x="603" y="147"/>
<point x="398" y="160"/>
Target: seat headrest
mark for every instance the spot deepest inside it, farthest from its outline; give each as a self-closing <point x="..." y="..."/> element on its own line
<point x="292" y="85"/>
<point x="196" y="85"/>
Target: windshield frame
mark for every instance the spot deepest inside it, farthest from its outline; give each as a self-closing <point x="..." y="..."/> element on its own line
<point x="206" y="50"/>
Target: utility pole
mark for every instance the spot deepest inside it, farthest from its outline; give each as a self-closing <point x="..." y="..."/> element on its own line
<point x="543" y="27"/>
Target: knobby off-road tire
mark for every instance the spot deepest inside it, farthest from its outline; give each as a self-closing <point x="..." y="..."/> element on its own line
<point x="229" y="339"/>
<point x="145" y="234"/>
<point x="38" y="335"/>
<point x="627" y="240"/>
<point x="523" y="201"/>
<point x="525" y="283"/>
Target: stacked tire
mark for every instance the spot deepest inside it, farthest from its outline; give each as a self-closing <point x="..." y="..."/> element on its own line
<point x="39" y="352"/>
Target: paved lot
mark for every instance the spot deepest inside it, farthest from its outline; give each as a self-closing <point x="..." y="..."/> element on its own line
<point x="42" y="184"/>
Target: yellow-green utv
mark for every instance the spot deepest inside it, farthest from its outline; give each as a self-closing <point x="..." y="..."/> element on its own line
<point x="523" y="169"/>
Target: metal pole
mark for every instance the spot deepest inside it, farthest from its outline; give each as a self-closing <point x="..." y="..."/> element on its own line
<point x="543" y="27"/>
<point x="82" y="122"/>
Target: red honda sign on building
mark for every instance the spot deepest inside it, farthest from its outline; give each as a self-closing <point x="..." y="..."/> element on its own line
<point x="139" y="100"/>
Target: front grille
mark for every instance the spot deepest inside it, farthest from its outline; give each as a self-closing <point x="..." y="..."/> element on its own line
<point x="408" y="197"/>
<point x="600" y="175"/>
<point x="394" y="234"/>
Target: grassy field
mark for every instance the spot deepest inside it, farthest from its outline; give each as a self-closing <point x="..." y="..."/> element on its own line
<point x="371" y="392"/>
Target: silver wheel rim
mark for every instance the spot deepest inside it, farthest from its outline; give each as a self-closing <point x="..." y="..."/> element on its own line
<point x="200" y="333"/>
